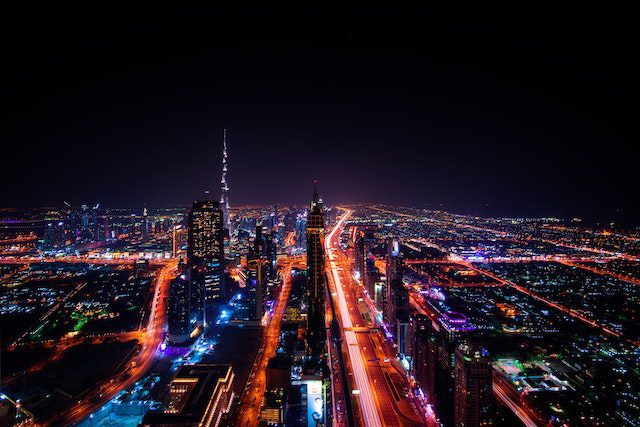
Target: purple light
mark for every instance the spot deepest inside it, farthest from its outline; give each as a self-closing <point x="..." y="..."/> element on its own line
<point x="455" y="317"/>
<point x="457" y="322"/>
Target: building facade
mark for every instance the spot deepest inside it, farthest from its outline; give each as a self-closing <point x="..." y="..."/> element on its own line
<point x="316" y="333"/>
<point x="473" y="401"/>
<point x="178" y="316"/>
<point x="205" y="249"/>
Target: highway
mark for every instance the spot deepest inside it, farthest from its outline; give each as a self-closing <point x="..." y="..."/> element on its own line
<point x="251" y="400"/>
<point x="381" y="398"/>
<point x="340" y="392"/>
<point x="366" y="399"/>
<point x="503" y="391"/>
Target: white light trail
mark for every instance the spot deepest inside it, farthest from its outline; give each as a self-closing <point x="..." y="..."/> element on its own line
<point x="367" y="401"/>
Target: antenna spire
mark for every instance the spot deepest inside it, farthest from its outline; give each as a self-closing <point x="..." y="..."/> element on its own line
<point x="224" y="186"/>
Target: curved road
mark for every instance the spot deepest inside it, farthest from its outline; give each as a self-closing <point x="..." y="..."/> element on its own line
<point x="150" y="340"/>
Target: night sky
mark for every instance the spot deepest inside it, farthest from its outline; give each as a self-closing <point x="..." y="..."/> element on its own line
<point x="528" y="111"/>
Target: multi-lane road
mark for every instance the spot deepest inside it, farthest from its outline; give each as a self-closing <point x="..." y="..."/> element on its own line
<point x="381" y="399"/>
<point x="251" y="400"/>
<point x="366" y="399"/>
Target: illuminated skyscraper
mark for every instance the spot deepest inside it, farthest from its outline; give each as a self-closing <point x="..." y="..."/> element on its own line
<point x="257" y="284"/>
<point x="394" y="279"/>
<point x="145" y="224"/>
<point x="473" y="401"/>
<point x="358" y="255"/>
<point x="107" y="230"/>
<point x="301" y="231"/>
<point x="85" y="220"/>
<point x="178" y="322"/>
<point x="95" y="223"/>
<point x="316" y="275"/>
<point x="270" y="254"/>
<point x="205" y="250"/>
<point x="259" y="244"/>
<point x="453" y="329"/>
<point x="205" y="233"/>
<point x="423" y="352"/>
<point x="53" y="236"/>
<point x="224" y="185"/>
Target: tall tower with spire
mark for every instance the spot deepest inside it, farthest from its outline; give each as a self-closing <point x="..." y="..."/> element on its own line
<point x="224" y="186"/>
<point x="316" y="333"/>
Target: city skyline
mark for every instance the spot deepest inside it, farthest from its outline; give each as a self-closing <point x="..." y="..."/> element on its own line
<point x="429" y="317"/>
<point x="319" y="216"/>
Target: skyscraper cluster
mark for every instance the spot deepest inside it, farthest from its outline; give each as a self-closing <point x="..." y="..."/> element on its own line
<point x="453" y="369"/>
<point x="202" y="279"/>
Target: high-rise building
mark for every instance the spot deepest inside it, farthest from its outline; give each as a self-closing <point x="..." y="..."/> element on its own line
<point x="393" y="274"/>
<point x="107" y="230"/>
<point x="404" y="338"/>
<point x="473" y="400"/>
<point x="72" y="224"/>
<point x="393" y="264"/>
<point x="54" y="236"/>
<point x="145" y="224"/>
<point x="454" y="328"/>
<point x="271" y="253"/>
<point x="257" y="287"/>
<point x="301" y="231"/>
<point x="224" y="186"/>
<point x="259" y="244"/>
<point x="371" y="275"/>
<point x="422" y="333"/>
<point x="85" y="220"/>
<point x="401" y="321"/>
<point x="380" y="295"/>
<point x="95" y="223"/>
<point x="358" y="255"/>
<point x="316" y="333"/>
<point x="397" y="310"/>
<point x="205" y="249"/>
<point x="178" y="316"/>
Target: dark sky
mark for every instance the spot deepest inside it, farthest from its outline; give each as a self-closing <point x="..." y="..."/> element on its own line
<point x="500" y="111"/>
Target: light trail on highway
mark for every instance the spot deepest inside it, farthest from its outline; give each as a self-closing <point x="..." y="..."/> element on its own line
<point x="251" y="400"/>
<point x="515" y="407"/>
<point x="366" y="398"/>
